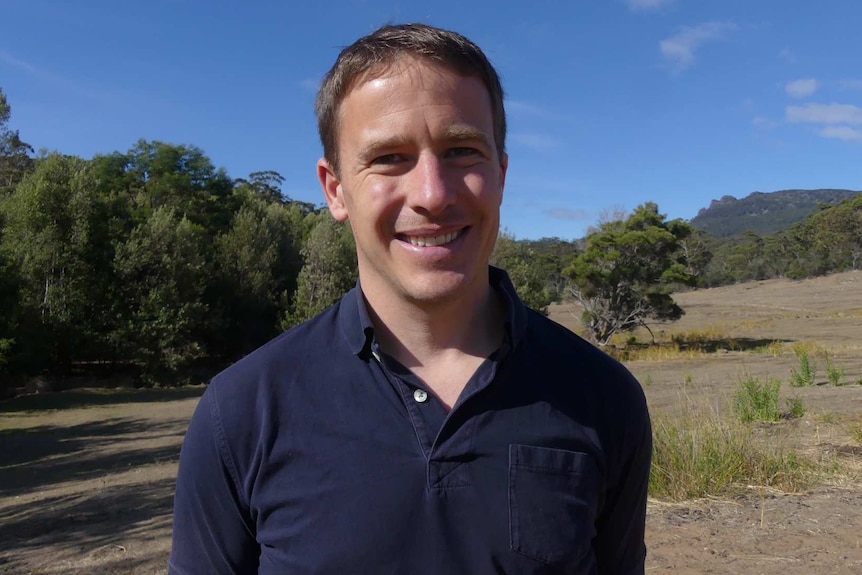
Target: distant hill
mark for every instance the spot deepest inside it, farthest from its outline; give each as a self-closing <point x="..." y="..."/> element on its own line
<point x="764" y="213"/>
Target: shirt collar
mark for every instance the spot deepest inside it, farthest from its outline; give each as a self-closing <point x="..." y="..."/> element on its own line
<point x="357" y="328"/>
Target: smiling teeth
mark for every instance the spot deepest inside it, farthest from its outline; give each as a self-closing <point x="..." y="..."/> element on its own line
<point x="427" y="242"/>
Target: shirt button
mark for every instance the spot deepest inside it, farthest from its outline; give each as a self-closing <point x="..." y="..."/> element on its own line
<point x="420" y="395"/>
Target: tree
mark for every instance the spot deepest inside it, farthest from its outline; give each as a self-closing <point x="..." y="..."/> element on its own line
<point x="328" y="272"/>
<point x="258" y="260"/>
<point x="162" y="273"/>
<point x="695" y="253"/>
<point x="9" y="281"/>
<point x="156" y="174"/>
<point x="15" y="160"/>
<point x="625" y="275"/>
<point x="50" y="220"/>
<point x="534" y="266"/>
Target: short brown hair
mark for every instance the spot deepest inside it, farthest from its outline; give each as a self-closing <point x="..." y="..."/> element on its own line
<point x="385" y="46"/>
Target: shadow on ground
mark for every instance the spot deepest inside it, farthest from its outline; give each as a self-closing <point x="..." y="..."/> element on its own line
<point x="731" y="344"/>
<point x="90" y="526"/>
<point x="47" y="455"/>
<point x="95" y="397"/>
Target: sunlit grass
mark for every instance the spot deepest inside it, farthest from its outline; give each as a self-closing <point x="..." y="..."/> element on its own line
<point x="702" y="336"/>
<point x="699" y="454"/>
<point x="658" y="352"/>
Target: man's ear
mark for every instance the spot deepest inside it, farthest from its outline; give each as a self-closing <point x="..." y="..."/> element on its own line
<point x="504" y="167"/>
<point x="332" y="190"/>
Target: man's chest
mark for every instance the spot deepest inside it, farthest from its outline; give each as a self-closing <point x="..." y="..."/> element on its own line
<point x="515" y="489"/>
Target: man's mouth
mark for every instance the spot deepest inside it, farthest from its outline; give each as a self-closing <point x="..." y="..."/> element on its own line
<point x="431" y="241"/>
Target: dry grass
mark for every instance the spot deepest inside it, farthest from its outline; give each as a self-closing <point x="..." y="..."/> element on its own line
<point x="702" y="453"/>
<point x="758" y="331"/>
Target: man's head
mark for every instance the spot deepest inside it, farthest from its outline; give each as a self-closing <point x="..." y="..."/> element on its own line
<point x="385" y="47"/>
<point x="415" y="163"/>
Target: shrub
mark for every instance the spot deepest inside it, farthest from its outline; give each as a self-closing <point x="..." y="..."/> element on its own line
<point x="699" y="454"/>
<point x="795" y="408"/>
<point x="756" y="401"/>
<point x="834" y="374"/>
<point x="804" y="376"/>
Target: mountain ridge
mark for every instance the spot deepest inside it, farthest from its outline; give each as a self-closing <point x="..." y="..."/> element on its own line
<point x="765" y="212"/>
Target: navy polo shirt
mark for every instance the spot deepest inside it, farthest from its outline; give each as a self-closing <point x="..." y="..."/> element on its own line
<point x="319" y="454"/>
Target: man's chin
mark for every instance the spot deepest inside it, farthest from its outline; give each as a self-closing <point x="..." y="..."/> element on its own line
<point x="439" y="286"/>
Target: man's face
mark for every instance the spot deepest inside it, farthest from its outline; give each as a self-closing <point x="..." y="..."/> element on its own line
<point x="420" y="181"/>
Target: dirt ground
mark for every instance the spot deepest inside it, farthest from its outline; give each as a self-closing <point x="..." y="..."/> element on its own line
<point x="86" y="477"/>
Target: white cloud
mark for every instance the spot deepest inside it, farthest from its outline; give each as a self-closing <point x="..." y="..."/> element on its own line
<point x="764" y="123"/>
<point x="787" y="55"/>
<point x="825" y="114"/>
<point x="845" y="133"/>
<point x="851" y="84"/>
<point x="65" y="83"/>
<point x="535" y="141"/>
<point x="30" y="69"/>
<point x="647" y="5"/>
<point x="310" y="85"/>
<point x="680" y="48"/>
<point x="568" y="214"/>
<point x="521" y="107"/>
<point x="801" y="88"/>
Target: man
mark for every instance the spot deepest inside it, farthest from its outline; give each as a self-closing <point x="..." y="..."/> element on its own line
<point x="429" y="422"/>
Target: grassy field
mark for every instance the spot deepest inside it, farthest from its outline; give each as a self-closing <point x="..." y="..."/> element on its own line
<point x="753" y="474"/>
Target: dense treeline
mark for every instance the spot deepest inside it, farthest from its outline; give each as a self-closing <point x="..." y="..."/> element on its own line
<point x="152" y="262"/>
<point x="828" y="241"/>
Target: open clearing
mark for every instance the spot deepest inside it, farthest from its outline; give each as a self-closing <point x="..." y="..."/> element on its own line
<point x="86" y="477"/>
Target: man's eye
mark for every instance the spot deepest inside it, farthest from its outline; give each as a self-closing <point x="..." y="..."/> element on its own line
<point x="389" y="159"/>
<point x="462" y="152"/>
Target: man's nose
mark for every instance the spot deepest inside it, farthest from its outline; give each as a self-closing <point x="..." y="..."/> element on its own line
<point x="430" y="189"/>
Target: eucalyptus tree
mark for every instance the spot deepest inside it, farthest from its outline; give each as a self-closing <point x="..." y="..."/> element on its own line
<point x="625" y="275"/>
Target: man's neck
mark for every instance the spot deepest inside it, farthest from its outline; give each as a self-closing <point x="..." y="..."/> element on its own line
<point x="442" y="342"/>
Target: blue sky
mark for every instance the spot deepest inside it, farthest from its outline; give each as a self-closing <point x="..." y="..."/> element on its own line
<point x="611" y="103"/>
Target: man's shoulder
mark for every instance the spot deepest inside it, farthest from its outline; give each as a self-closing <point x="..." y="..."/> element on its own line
<point x="576" y="361"/>
<point x="544" y="335"/>
<point x="302" y="349"/>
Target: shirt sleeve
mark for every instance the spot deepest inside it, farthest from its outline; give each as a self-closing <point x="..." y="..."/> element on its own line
<point x="213" y="531"/>
<point x="619" y="543"/>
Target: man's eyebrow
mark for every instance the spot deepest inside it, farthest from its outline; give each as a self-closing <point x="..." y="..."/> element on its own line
<point x="458" y="133"/>
<point x="376" y="148"/>
<point x="462" y="133"/>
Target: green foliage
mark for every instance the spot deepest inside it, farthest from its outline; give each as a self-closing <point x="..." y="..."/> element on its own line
<point x="795" y="407"/>
<point x="756" y="401"/>
<point x="257" y="263"/>
<point x="625" y="275"/>
<point x="700" y="454"/>
<point x="695" y="254"/>
<point x="5" y="349"/>
<point x="49" y="238"/>
<point x="535" y="267"/>
<point x="763" y="213"/>
<point x="154" y="258"/>
<point x="805" y="375"/>
<point x="328" y="272"/>
<point x="163" y="273"/>
<point x="834" y="374"/>
<point x="15" y="160"/>
<point x="828" y="241"/>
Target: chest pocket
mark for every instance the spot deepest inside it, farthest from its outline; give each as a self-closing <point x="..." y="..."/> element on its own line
<point x="553" y="498"/>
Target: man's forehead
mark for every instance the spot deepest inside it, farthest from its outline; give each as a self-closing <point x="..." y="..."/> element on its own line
<point x="405" y="64"/>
